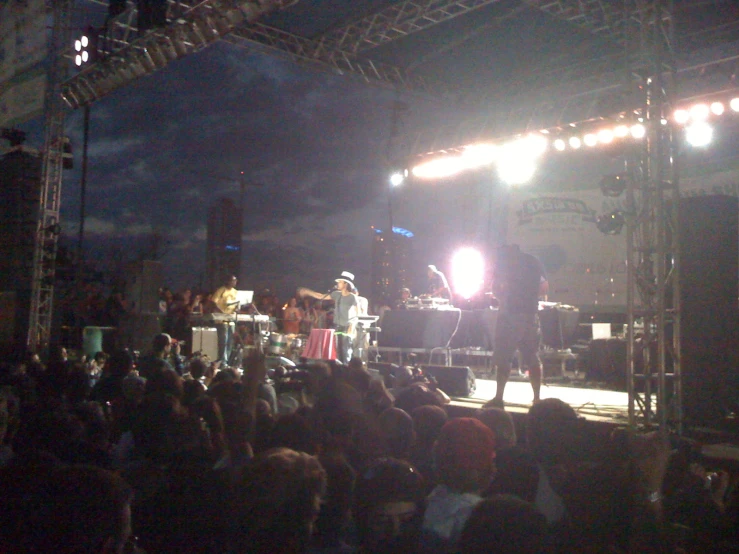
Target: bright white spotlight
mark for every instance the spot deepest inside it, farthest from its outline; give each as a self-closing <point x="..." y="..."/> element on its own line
<point x="734" y="104"/>
<point x="681" y="116"/>
<point x="621" y="131"/>
<point x="590" y="139"/>
<point x="575" y="142"/>
<point x="397" y="179"/>
<point x="559" y="145"/>
<point x="699" y="112"/>
<point x="516" y="161"/>
<point x="638" y="131"/>
<point x="699" y="134"/>
<point x="537" y="144"/>
<point x="479" y="155"/>
<point x="605" y="136"/>
<point x="717" y="108"/>
<point x="438" y="168"/>
<point x="468" y="272"/>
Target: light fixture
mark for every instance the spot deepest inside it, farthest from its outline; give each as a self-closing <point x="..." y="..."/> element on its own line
<point x="613" y="186"/>
<point x="717" y="108"/>
<point x="517" y="159"/>
<point x="559" y="145"/>
<point x="396" y="179"/>
<point x="590" y="139"/>
<point x="611" y="223"/>
<point x="575" y="142"/>
<point x="699" y="112"/>
<point x="734" y="104"/>
<point x="605" y="136"/>
<point x="699" y="134"/>
<point x="621" y="131"/>
<point x="468" y="272"/>
<point x="86" y="47"/>
<point x="638" y="131"/>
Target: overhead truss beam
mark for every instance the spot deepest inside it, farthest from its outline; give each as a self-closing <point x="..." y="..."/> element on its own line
<point x="303" y="49"/>
<point x="396" y="21"/>
<point x="127" y="53"/>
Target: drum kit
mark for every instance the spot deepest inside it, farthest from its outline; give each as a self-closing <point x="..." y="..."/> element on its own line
<point x="278" y="344"/>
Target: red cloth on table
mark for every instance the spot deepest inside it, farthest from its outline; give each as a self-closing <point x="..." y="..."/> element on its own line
<point x="321" y="345"/>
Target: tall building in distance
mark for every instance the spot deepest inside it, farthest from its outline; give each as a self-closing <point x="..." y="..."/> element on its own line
<point x="223" y="243"/>
<point x="391" y="259"/>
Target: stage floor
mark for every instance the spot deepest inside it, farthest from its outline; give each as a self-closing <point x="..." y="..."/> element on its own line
<point x="591" y="403"/>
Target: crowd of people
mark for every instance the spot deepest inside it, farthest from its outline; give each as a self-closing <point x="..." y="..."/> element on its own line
<point x="164" y="453"/>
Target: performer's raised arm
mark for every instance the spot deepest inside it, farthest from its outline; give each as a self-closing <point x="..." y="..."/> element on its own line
<point x="302" y="292"/>
<point x="345" y="312"/>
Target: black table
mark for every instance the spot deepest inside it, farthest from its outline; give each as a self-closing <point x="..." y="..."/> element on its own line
<point x="429" y="329"/>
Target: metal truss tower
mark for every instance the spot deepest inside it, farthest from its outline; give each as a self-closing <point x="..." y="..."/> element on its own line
<point x="47" y="227"/>
<point x="652" y="196"/>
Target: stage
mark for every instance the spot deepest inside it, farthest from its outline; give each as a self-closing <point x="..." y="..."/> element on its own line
<point x="592" y="403"/>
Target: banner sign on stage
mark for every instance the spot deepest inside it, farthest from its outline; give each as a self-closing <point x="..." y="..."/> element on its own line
<point x="586" y="267"/>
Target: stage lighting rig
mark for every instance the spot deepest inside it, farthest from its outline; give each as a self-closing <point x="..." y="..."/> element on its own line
<point x="611" y="223"/>
<point x="86" y="47"/>
<point x="699" y="134"/>
<point x="614" y="186"/>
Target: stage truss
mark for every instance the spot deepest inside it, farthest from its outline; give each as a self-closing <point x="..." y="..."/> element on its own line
<point x="644" y="28"/>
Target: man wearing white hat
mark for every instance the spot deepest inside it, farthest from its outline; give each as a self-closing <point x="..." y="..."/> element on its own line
<point x="346" y="310"/>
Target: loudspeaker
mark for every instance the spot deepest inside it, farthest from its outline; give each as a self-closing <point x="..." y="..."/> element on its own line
<point x="453" y="380"/>
<point x="137" y="331"/>
<point x="709" y="273"/>
<point x="143" y="281"/>
<point x="205" y="341"/>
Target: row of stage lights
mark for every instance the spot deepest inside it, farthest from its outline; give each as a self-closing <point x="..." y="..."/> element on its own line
<point x="516" y="160"/>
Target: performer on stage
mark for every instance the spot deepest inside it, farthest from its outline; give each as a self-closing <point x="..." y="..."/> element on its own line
<point x="346" y="310"/>
<point x="438" y="285"/>
<point x="518" y="283"/>
<point x="226" y="302"/>
<point x="405" y="294"/>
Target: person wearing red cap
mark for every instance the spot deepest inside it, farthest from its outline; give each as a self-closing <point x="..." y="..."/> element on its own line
<point x="464" y="456"/>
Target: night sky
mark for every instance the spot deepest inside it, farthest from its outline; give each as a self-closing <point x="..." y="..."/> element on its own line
<point x="313" y="147"/>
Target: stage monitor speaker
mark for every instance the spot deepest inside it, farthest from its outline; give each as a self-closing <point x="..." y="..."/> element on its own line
<point x="709" y="273"/>
<point x="143" y="281"/>
<point x="205" y="341"/>
<point x="453" y="380"/>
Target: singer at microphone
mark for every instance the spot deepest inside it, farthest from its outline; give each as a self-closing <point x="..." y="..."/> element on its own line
<point x="346" y="311"/>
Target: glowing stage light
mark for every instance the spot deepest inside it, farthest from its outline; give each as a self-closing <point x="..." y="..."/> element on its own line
<point x="638" y="131"/>
<point x="699" y="134"/>
<point x="590" y="139"/>
<point x="85" y="47"/>
<point x="717" y="108"/>
<point x="621" y="131"/>
<point x="734" y="104"/>
<point x="605" y="136"/>
<point x="439" y="168"/>
<point x="681" y="116"/>
<point x="559" y="145"/>
<point x="479" y="155"/>
<point x="536" y="144"/>
<point x="575" y="142"/>
<point x="397" y="179"/>
<point x="468" y="272"/>
<point x="699" y="112"/>
<point x="516" y="161"/>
